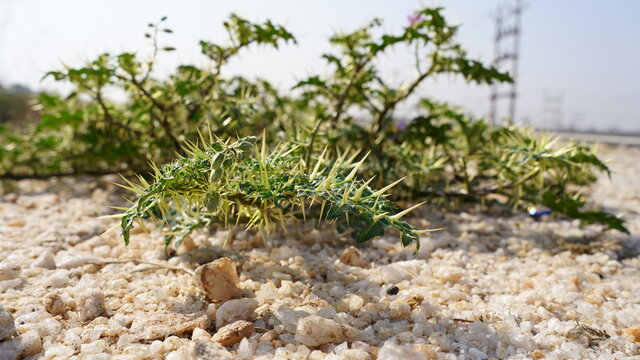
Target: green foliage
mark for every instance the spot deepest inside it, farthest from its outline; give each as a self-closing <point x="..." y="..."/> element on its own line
<point x="445" y="155"/>
<point x="93" y="134"/>
<point x="235" y="183"/>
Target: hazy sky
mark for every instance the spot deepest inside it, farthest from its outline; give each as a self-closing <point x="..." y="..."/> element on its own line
<point x="585" y="52"/>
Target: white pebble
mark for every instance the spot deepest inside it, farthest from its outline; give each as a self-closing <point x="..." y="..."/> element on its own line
<point x="315" y="330"/>
<point x="70" y="261"/>
<point x="59" y="351"/>
<point x="391" y="351"/>
<point x="49" y="326"/>
<point x="232" y="310"/>
<point x="92" y="306"/>
<point x="45" y="261"/>
<point x="32" y="342"/>
<point x="477" y="354"/>
<point x="246" y="349"/>
<point x="58" y="279"/>
<point x="9" y="272"/>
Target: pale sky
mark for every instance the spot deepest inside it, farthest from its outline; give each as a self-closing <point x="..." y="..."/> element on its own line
<point x="586" y="52"/>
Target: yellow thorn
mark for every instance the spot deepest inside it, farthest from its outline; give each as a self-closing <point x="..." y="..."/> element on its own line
<point x="356" y="167"/>
<point x="379" y="216"/>
<point x="425" y="231"/>
<point x="384" y="189"/>
<point x="263" y="151"/>
<point x="345" y="194"/>
<point x="317" y="167"/>
<point x="358" y="194"/>
<point x="405" y="212"/>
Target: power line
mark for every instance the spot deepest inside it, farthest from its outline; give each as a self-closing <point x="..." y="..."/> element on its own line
<point x="508" y="27"/>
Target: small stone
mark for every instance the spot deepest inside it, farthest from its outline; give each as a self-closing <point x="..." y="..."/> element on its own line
<point x="211" y="311"/>
<point x="233" y="310"/>
<point x="354" y="257"/>
<point x="11" y="350"/>
<point x="392" y="351"/>
<point x="32" y="342"/>
<point x="478" y="327"/>
<point x="633" y="332"/>
<point x="218" y="280"/>
<point x="393" y="290"/>
<point x="232" y="334"/>
<point x="57" y="303"/>
<point x="289" y="318"/>
<point x="92" y="306"/>
<point x="355" y="302"/>
<point x="45" y="261"/>
<point x="179" y="354"/>
<point x="10" y="284"/>
<point x="315" y="331"/>
<point x="7" y="324"/>
<point x="453" y="276"/>
<point x="429" y="351"/>
<point x="49" y="326"/>
<point x="9" y="272"/>
<point x="95" y="347"/>
<point x="246" y="349"/>
<point x="355" y="354"/>
<point x="162" y="324"/>
<point x="58" y="279"/>
<point x="72" y="261"/>
<point x="537" y="354"/>
<point x="61" y="351"/>
<point x="477" y="354"/>
<point x="200" y="335"/>
<point x="17" y="223"/>
<point x="210" y="350"/>
<point x="269" y="336"/>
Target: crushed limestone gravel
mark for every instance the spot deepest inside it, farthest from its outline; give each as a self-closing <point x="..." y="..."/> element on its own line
<point x="489" y="286"/>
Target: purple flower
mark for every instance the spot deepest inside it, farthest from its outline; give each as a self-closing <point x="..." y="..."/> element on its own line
<point x="415" y="19"/>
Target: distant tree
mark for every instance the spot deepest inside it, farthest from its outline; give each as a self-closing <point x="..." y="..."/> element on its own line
<point x="15" y="105"/>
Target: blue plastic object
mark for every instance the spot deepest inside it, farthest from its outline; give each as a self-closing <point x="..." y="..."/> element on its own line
<point x="537" y="213"/>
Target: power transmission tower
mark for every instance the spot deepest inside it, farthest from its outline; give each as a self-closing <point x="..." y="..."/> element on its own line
<point x="552" y="111"/>
<point x="508" y="28"/>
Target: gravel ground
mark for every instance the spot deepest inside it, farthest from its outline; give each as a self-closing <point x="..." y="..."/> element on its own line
<point x="487" y="287"/>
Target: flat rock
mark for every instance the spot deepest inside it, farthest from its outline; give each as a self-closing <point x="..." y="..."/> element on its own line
<point x="232" y="334"/>
<point x="70" y="261"/>
<point x="163" y="323"/>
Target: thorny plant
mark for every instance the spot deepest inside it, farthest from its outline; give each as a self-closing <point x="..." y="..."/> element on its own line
<point x="234" y="183"/>
<point x="444" y="155"/>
